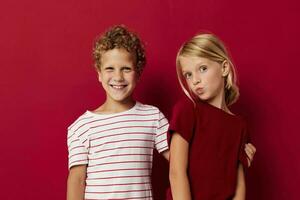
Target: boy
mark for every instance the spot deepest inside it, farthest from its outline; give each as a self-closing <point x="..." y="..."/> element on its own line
<point x="111" y="148"/>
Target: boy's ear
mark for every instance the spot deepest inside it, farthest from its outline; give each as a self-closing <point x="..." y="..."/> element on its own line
<point x="99" y="75"/>
<point x="225" y="68"/>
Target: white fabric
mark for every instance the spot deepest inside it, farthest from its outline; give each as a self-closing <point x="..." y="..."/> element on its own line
<point x="118" y="151"/>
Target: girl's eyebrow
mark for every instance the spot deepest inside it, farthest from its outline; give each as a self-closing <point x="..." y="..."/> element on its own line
<point x="201" y="63"/>
<point x="183" y="71"/>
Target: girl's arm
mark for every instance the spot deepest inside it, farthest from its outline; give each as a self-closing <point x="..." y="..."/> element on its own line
<point x="178" y="168"/>
<point x="240" y="192"/>
<point x="166" y="155"/>
<point x="76" y="183"/>
<point x="250" y="151"/>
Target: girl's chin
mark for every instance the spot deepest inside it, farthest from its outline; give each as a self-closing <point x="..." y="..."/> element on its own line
<point x="203" y="97"/>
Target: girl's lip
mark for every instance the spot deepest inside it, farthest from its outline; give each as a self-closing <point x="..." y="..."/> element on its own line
<point x="199" y="90"/>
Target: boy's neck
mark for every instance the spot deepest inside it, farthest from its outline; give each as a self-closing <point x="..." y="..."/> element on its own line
<point x="109" y="107"/>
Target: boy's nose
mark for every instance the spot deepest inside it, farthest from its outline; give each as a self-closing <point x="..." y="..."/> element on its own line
<point x="118" y="76"/>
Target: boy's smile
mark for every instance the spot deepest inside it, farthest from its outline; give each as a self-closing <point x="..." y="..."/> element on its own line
<point x="118" y="75"/>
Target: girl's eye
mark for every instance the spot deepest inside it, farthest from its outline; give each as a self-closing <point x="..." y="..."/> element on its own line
<point x="203" y="68"/>
<point x="187" y="75"/>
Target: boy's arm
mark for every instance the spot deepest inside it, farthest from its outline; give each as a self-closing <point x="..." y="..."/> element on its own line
<point x="76" y="182"/>
<point x="178" y="168"/>
<point x="240" y="192"/>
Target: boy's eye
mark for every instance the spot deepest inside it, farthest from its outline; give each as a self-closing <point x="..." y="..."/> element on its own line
<point x="109" y="69"/>
<point x="127" y="69"/>
<point x="202" y="68"/>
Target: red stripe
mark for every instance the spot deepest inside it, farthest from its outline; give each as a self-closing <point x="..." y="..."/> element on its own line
<point x="132" y="120"/>
<point x="116" y="155"/>
<point x="161" y="141"/>
<point x="110" y="170"/>
<point x="77" y="121"/>
<point x="126" y="133"/>
<point x="161" y="134"/>
<point x="163" y="125"/>
<point x="119" y="177"/>
<point x="122" y="128"/>
<point x="76" y="140"/>
<point x="121" y="116"/>
<point x="128" y="147"/>
<point x="162" y="119"/>
<point x="83" y="133"/>
<point x="151" y="109"/>
<point x="118" y="191"/>
<point x="76" y="148"/>
<point x="99" y="185"/>
<point x="128" y="140"/>
<point x="163" y="148"/>
<point x="111" y="163"/>
<point x="77" y="155"/>
<point x="131" y="198"/>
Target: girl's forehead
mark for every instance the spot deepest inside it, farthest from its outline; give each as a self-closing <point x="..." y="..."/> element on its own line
<point x="193" y="60"/>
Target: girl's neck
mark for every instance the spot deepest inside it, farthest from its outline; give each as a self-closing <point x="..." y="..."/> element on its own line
<point x="219" y="102"/>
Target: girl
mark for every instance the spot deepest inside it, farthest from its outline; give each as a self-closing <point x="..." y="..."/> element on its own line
<point x="207" y="147"/>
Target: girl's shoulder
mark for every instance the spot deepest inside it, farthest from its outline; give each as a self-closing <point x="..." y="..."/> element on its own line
<point x="184" y="103"/>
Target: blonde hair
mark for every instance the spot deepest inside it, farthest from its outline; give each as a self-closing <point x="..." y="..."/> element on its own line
<point x="209" y="46"/>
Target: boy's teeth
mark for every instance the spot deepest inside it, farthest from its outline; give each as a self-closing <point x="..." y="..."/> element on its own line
<point x="118" y="86"/>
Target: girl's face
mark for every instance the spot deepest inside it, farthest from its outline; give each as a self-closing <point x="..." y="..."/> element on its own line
<point x="204" y="77"/>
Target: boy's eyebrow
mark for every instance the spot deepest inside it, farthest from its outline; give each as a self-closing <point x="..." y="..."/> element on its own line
<point x="106" y="67"/>
<point x="127" y="66"/>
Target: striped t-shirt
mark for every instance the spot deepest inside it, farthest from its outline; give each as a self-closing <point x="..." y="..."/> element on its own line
<point x="118" y="151"/>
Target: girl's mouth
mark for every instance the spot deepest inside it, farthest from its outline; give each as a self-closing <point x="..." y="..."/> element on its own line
<point x="199" y="90"/>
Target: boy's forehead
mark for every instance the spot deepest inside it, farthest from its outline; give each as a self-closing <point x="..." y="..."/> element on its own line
<point x="118" y="55"/>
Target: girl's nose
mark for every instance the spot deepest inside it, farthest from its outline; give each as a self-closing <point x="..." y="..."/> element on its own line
<point x="196" y="80"/>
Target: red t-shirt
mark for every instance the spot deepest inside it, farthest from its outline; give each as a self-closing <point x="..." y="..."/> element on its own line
<point x="216" y="146"/>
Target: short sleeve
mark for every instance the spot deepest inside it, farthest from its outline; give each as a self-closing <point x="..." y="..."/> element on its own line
<point x="183" y="119"/>
<point x="78" y="152"/>
<point x="161" y="142"/>
<point x="244" y="139"/>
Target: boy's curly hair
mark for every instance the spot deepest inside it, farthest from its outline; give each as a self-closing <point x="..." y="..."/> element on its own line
<point x="120" y="37"/>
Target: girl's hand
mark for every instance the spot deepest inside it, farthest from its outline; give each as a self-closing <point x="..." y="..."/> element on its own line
<point x="250" y="151"/>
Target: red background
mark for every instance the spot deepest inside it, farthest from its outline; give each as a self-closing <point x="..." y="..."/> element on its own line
<point x="47" y="81"/>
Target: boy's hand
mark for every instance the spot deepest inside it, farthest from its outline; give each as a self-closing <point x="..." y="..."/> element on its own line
<point x="250" y="151"/>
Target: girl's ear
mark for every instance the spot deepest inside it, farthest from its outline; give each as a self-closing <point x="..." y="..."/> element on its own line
<point x="225" y="68"/>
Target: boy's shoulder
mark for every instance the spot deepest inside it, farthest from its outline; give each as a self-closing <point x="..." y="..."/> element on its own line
<point x="83" y="119"/>
<point x="146" y="107"/>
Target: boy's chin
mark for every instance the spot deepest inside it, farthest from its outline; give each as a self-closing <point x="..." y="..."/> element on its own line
<point x="123" y="100"/>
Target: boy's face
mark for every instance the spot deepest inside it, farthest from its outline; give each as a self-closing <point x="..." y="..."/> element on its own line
<point x="118" y="75"/>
